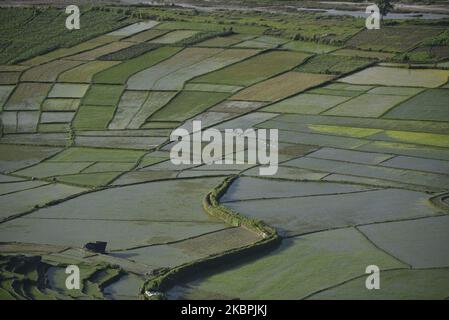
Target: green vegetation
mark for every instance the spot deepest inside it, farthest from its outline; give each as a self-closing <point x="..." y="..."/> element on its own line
<point x="213" y="208"/>
<point x="175" y="36"/>
<point x="89" y="179"/>
<point x="364" y="54"/>
<point x="43" y="278"/>
<point x="101" y="51"/>
<point x="5" y="91"/>
<point x="428" y="78"/>
<point x="385" y="6"/>
<point x="93" y="117"/>
<point x="431" y="50"/>
<point x="203" y="25"/>
<point x="131" y="52"/>
<point x="431" y="139"/>
<point x="103" y="95"/>
<point x="85" y="72"/>
<point x="109" y="103"/>
<point x="54" y="127"/>
<point x="62" y="90"/>
<point x="344" y="131"/>
<point x="9" y="77"/>
<point x="211" y="87"/>
<point x="435" y="102"/>
<point x="282" y="86"/>
<point x="27" y="32"/>
<point x="298" y="26"/>
<point x="333" y="64"/>
<point x="307" y="46"/>
<point x="48" y="72"/>
<point x="119" y="74"/>
<point x="146" y="35"/>
<point x="367" y="105"/>
<point x="156" y="100"/>
<point x="249" y="71"/>
<point x="306" y="103"/>
<point x="440" y="40"/>
<point x="60" y="105"/>
<point x="393" y="38"/>
<point x="77" y="154"/>
<point x="84" y="166"/>
<point x="414" y="284"/>
<point x="276" y="274"/>
<point x="27" y="96"/>
<point x="49" y="169"/>
<point x="187" y="104"/>
<point x="220" y="42"/>
<point x="202" y="36"/>
<point x="172" y="73"/>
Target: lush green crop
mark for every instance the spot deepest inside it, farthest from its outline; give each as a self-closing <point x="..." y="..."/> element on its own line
<point x="28" y="32"/>
<point x="333" y="64"/>
<point x="131" y="52"/>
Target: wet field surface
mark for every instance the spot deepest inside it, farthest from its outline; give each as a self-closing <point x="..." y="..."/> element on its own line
<point x="363" y="154"/>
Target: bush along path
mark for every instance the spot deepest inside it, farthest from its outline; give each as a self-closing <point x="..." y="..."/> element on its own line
<point x="155" y="288"/>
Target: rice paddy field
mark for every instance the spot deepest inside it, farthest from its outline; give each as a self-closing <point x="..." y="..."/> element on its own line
<point x="85" y="124"/>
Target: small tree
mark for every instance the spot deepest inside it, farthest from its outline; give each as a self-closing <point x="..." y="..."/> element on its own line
<point x="385" y="6"/>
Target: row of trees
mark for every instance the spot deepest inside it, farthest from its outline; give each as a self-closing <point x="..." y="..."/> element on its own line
<point x="385" y="6"/>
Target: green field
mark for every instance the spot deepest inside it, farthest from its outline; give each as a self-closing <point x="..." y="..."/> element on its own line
<point x="103" y="95"/>
<point x="119" y="74"/>
<point x="188" y="104"/>
<point x="393" y="39"/>
<point x="362" y="144"/>
<point x="130" y="52"/>
<point x="27" y="32"/>
<point x="248" y="72"/>
<point x="275" y="275"/>
<point x="333" y="64"/>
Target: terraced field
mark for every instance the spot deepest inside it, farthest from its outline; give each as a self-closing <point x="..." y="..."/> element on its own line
<point x="85" y="156"/>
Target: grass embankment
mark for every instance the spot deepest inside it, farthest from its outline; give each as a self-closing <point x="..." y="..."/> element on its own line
<point x="268" y="238"/>
<point x="431" y="50"/>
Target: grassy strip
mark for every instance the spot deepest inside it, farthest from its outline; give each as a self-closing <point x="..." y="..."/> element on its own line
<point x="213" y="207"/>
<point x="441" y="201"/>
<point x="269" y="238"/>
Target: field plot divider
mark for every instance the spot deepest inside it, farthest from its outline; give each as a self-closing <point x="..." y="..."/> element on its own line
<point x="269" y="240"/>
<point x="116" y="107"/>
<point x="136" y="165"/>
<point x="402" y="102"/>
<point x="349" y="38"/>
